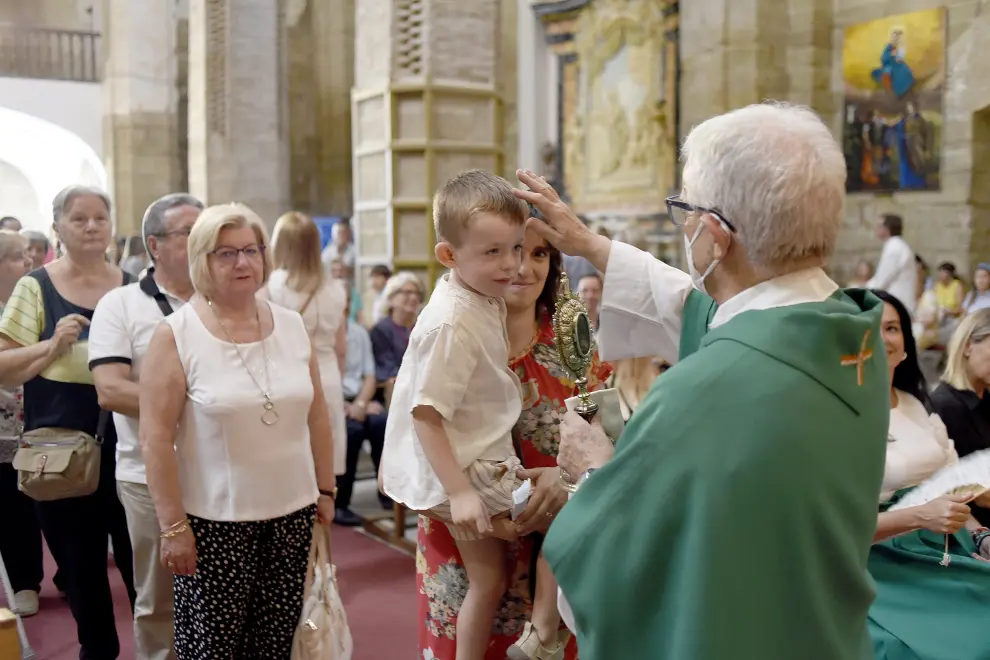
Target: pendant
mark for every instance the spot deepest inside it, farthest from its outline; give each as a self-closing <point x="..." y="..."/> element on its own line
<point x="270" y="416"/>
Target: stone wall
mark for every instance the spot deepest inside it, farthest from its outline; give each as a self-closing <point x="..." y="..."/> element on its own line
<point x="735" y="52"/>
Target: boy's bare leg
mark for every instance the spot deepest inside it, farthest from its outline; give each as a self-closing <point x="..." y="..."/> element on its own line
<point x="484" y="562"/>
<point x="546" y="618"/>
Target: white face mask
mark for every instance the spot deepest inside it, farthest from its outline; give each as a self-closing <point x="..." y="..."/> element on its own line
<point x="697" y="279"/>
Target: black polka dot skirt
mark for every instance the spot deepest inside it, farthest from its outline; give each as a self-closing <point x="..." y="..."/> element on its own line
<point x="246" y="597"/>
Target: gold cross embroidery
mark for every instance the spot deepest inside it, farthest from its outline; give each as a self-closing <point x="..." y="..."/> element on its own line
<point x="859" y="359"/>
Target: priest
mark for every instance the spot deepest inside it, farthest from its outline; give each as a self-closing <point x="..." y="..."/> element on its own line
<point x="735" y="518"/>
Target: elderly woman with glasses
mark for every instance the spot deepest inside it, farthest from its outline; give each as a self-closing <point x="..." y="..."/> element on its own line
<point x="236" y="438"/>
<point x="750" y="471"/>
<point x="404" y="293"/>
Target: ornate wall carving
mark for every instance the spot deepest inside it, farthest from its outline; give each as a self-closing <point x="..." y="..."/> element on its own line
<point x="617" y="108"/>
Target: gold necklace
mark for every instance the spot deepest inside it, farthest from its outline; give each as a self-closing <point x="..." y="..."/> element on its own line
<point x="270" y="416"/>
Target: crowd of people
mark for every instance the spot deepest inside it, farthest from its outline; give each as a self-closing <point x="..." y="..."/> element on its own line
<point x="748" y="509"/>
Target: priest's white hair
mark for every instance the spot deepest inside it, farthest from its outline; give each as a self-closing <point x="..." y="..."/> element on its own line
<point x="776" y="173"/>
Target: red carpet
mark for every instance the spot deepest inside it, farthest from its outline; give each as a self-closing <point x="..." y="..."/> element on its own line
<point x="377" y="583"/>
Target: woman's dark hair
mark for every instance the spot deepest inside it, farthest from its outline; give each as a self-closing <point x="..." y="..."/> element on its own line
<point x="948" y="267"/>
<point x="546" y="303"/>
<point x="907" y="375"/>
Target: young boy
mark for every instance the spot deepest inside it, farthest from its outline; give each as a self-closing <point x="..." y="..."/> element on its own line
<point x="453" y="455"/>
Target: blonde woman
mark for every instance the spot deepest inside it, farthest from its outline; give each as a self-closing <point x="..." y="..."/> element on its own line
<point x="633" y="378"/>
<point x="299" y="282"/>
<point x="960" y="399"/>
<point x="236" y="439"/>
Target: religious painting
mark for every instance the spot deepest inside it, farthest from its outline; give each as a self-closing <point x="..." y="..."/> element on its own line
<point x="893" y="72"/>
<point x="619" y="146"/>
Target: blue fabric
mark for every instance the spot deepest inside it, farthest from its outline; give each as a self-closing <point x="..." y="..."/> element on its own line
<point x="899" y="73"/>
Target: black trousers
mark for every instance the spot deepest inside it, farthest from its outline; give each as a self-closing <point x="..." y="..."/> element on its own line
<point x="246" y="596"/>
<point x="77" y="530"/>
<point x="20" y="541"/>
<point x="371" y="429"/>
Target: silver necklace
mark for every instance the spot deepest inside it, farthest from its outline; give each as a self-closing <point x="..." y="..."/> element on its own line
<point x="270" y="416"/>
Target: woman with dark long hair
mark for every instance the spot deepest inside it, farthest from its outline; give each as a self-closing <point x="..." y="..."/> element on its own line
<point x="442" y="580"/>
<point x="924" y="608"/>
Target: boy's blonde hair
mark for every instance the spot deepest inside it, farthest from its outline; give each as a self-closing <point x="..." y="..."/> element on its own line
<point x="468" y="194"/>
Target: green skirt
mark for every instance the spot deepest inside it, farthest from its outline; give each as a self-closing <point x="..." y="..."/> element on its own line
<point x="926" y="611"/>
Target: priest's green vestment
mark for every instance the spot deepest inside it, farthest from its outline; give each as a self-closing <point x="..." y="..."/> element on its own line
<point x="735" y="519"/>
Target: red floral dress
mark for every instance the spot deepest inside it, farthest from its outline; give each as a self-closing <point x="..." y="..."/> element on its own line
<point x="441" y="580"/>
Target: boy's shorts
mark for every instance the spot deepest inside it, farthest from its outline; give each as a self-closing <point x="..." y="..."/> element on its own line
<point x="494" y="481"/>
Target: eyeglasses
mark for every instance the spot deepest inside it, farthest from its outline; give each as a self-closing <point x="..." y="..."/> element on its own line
<point x="184" y="233"/>
<point x="228" y="255"/>
<point x="679" y="211"/>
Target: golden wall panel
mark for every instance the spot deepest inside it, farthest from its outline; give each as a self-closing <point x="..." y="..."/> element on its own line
<point x="409" y="181"/>
<point x="412" y="235"/>
<point x="410" y="117"/>
<point x="464" y="119"/>
<point x="371" y="177"/>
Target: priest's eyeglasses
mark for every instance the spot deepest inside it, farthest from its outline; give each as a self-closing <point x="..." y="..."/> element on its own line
<point x="679" y="211"/>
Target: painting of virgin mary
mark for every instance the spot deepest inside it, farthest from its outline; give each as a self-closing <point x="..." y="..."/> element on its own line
<point x="894" y="73"/>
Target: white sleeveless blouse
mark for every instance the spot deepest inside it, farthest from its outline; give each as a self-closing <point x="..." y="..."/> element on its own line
<point x="232" y="467"/>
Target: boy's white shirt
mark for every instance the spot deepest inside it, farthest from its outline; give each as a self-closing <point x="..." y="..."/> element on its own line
<point x="457" y="363"/>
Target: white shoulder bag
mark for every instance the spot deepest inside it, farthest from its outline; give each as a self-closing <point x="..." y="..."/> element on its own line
<point x="323" y="633"/>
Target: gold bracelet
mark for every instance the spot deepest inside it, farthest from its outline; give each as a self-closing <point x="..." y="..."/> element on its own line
<point x="176" y="529"/>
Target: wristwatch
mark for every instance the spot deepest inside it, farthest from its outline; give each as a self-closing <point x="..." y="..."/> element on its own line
<point x="584" y="477"/>
<point x="332" y="494"/>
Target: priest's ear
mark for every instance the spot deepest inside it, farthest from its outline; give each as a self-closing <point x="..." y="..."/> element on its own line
<point x="444" y="252"/>
<point x="721" y="235"/>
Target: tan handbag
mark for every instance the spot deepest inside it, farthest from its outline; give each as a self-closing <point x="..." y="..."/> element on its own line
<point x="57" y="463"/>
<point x="322" y="633"/>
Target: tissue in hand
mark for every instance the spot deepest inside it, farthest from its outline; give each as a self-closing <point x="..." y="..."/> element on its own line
<point x="520" y="496"/>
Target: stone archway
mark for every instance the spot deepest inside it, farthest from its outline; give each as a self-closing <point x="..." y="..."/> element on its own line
<point x="18" y="197"/>
<point x="43" y="157"/>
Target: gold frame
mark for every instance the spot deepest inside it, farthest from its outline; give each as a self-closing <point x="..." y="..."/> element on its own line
<point x="566" y="317"/>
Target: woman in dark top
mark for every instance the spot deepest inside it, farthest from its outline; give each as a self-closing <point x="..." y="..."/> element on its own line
<point x="43" y="336"/>
<point x="389" y="337"/>
<point x="959" y="399"/>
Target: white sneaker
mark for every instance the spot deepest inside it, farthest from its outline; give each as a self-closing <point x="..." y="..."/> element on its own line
<point x="26" y="603"/>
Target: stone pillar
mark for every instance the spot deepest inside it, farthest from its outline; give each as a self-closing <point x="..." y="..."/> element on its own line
<point x="321" y="73"/>
<point x="238" y="147"/>
<point x="141" y="149"/>
<point x="733" y="53"/>
<point x="425" y="107"/>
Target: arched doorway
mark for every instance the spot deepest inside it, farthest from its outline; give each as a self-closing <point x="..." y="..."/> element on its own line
<point x="45" y="158"/>
<point x="18" y="197"/>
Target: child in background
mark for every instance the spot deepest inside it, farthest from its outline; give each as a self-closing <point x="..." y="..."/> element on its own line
<point x="448" y="444"/>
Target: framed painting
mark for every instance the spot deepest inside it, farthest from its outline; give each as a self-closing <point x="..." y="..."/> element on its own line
<point x="893" y="72"/>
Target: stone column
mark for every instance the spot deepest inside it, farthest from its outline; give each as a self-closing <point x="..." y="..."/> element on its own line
<point x="141" y="149"/>
<point x="238" y="148"/>
<point x="320" y="54"/>
<point x="425" y="107"/>
<point x="733" y="53"/>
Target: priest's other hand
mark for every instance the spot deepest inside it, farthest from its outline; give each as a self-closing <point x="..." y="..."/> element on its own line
<point x="560" y="225"/>
<point x="547" y="499"/>
<point x="582" y="445"/>
<point x="983" y="500"/>
<point x="945" y="515"/>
